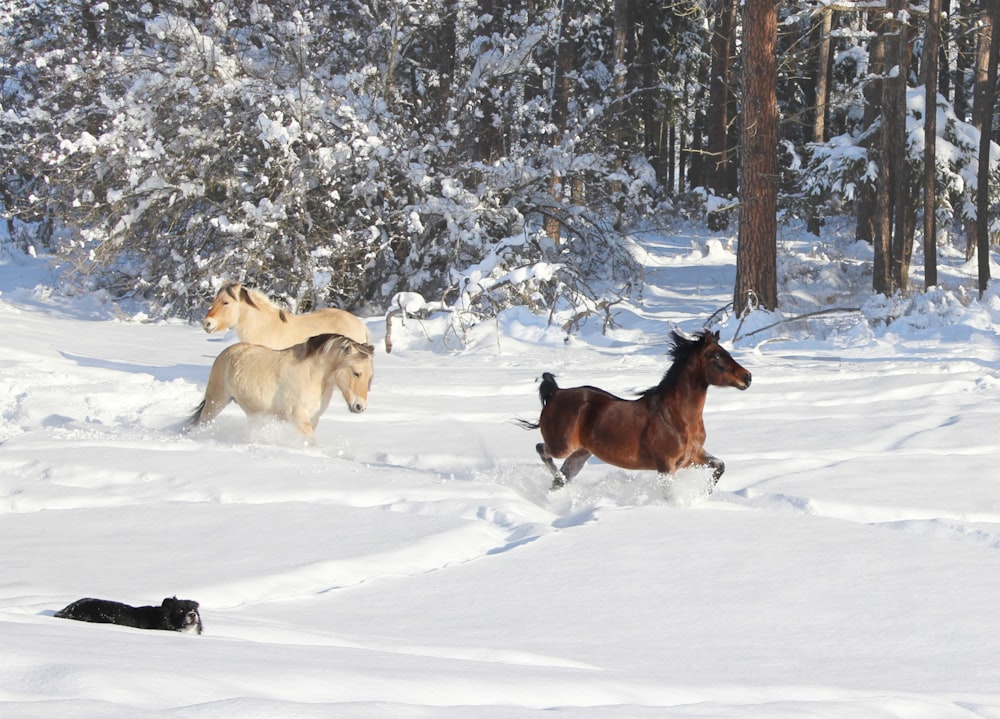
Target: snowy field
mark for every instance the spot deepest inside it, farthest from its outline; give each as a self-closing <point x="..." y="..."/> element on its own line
<point x="414" y="564"/>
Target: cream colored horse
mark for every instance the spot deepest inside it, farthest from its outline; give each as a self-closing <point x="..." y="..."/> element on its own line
<point x="294" y="384"/>
<point x="257" y="320"/>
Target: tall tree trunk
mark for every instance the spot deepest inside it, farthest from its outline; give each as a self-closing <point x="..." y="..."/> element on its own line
<point x="965" y="56"/>
<point x="822" y="95"/>
<point x="652" y="131"/>
<point x="620" y="85"/>
<point x="986" y="97"/>
<point x="561" y="90"/>
<point x="720" y="99"/>
<point x="866" y="230"/>
<point x="883" y="275"/>
<point x="930" y="62"/>
<point x="756" y="263"/>
<point x="904" y="222"/>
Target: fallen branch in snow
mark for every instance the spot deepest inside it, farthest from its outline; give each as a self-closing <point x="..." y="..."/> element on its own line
<point x="807" y="315"/>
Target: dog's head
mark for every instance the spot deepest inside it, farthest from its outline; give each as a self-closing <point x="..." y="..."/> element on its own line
<point x="181" y="615"/>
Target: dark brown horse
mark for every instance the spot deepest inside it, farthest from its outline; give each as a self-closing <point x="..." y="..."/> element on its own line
<point x="661" y="430"/>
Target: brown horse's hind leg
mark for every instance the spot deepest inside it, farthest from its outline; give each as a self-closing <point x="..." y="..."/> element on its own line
<point x="574" y="463"/>
<point x="570" y="468"/>
<point x="558" y="479"/>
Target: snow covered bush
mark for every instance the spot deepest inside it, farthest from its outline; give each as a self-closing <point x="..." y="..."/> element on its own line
<point x="310" y="149"/>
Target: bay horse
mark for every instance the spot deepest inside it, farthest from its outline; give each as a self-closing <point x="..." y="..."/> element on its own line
<point x="662" y="429"/>
<point x="258" y="320"/>
<point x="295" y="384"/>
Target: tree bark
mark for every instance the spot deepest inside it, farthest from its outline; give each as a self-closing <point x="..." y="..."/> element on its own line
<point x="930" y="62"/>
<point x="867" y="230"/>
<point x="560" y="109"/>
<point x="720" y="176"/>
<point x="756" y="263"/>
<point x="986" y="97"/>
<point x="883" y="274"/>
<point x="904" y="211"/>
<point x="822" y="95"/>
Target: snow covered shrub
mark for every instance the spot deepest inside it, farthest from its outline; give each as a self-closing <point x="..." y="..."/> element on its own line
<point x="326" y="153"/>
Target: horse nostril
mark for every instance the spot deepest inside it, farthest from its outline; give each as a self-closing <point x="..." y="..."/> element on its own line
<point x="747" y="379"/>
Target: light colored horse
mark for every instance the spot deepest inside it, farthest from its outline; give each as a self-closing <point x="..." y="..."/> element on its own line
<point x="257" y="320"/>
<point x="294" y="384"/>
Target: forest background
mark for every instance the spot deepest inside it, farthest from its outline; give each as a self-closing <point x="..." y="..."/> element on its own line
<point x="473" y="155"/>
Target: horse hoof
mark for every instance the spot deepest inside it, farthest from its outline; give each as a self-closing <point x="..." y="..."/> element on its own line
<point x="557" y="483"/>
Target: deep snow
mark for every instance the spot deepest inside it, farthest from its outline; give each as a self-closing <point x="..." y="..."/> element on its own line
<point x="413" y="563"/>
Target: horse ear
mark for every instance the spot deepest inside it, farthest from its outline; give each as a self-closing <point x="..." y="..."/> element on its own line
<point x="715" y="336"/>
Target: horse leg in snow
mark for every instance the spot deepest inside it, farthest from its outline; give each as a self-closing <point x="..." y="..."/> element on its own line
<point x="718" y="467"/>
<point x="573" y="464"/>
<point x="300" y="418"/>
<point x="558" y="479"/>
<point x="571" y="467"/>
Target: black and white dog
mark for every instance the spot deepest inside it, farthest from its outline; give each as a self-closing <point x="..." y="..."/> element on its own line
<point x="177" y="615"/>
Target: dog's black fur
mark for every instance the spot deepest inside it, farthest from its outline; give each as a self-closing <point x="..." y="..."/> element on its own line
<point x="177" y="615"/>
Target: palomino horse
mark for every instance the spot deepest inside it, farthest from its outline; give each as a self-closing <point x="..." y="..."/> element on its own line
<point x="259" y="321"/>
<point x="295" y="383"/>
<point x="661" y="430"/>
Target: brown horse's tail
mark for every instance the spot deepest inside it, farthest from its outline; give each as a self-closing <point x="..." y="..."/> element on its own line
<point x="547" y="388"/>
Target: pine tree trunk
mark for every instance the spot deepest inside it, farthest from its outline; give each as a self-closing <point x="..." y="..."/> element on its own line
<point x="756" y="264"/>
<point x="623" y="20"/>
<point x="883" y="274"/>
<point x="867" y="230"/>
<point x="822" y="96"/>
<point x="560" y="109"/>
<point x="930" y="61"/>
<point x="720" y="98"/>
<point x="985" y="99"/>
<point x="904" y="221"/>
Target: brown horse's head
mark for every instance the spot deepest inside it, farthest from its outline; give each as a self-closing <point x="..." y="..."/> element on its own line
<point x="721" y="370"/>
<point x="225" y="310"/>
<point x="700" y="360"/>
<point x="350" y="365"/>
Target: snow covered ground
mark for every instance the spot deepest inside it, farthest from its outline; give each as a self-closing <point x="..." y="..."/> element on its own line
<point x="413" y="563"/>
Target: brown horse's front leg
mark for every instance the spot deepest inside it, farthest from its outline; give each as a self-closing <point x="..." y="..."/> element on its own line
<point x="717" y="465"/>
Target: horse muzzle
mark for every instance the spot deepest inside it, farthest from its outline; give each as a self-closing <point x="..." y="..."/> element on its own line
<point x="209" y="325"/>
<point x="744" y="382"/>
<point x="357" y="406"/>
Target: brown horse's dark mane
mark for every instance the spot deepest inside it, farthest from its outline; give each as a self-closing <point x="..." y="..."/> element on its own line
<point x="682" y="350"/>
